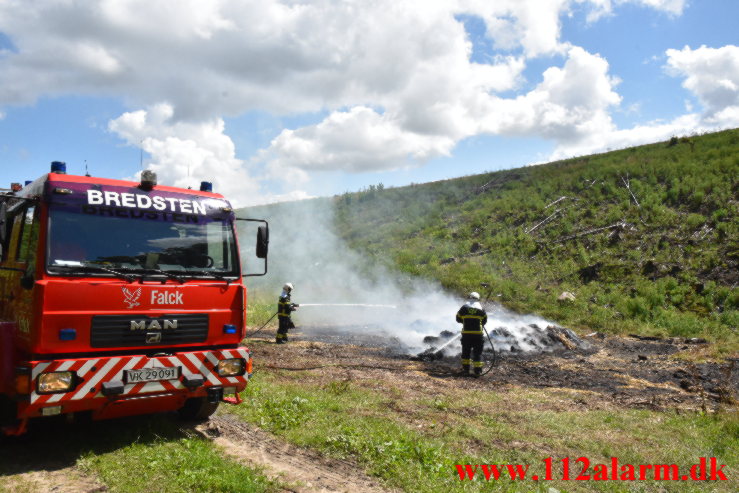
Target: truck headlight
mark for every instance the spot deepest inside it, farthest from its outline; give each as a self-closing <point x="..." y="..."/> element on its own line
<point x="232" y="367"/>
<point x="56" y="381"/>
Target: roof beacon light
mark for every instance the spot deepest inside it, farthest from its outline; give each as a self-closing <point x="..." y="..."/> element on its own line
<point x="206" y="186"/>
<point x="28" y="182"/>
<point x="59" y="167"/>
<point x="148" y="179"/>
<point x="16" y="187"/>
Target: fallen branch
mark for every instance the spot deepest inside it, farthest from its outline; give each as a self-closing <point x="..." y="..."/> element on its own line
<point x="702" y="232"/>
<point x="620" y="225"/>
<point x="499" y="179"/>
<point x="485" y="187"/>
<point x="557" y="201"/>
<point x="544" y="221"/>
<point x="627" y="184"/>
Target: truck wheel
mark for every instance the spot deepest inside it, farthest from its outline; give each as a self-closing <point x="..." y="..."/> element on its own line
<point x="198" y="409"/>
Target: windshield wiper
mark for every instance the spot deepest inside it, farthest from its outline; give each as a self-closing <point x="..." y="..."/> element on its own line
<point x="206" y="273"/>
<point x="166" y="273"/>
<point x="85" y="267"/>
<point x="145" y="269"/>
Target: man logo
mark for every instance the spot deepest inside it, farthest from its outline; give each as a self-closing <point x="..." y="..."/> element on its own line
<point x="153" y="325"/>
<point x="153" y="337"/>
<point x="132" y="297"/>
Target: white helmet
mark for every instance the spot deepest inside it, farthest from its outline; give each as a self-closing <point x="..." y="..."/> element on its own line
<point x="288" y="287"/>
<point x="474" y="295"/>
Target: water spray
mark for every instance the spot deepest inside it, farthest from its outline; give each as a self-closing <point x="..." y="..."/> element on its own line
<point x="348" y="304"/>
<point x="438" y="351"/>
<point x="365" y="305"/>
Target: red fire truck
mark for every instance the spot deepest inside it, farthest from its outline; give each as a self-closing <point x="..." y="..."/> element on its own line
<point x="119" y="298"/>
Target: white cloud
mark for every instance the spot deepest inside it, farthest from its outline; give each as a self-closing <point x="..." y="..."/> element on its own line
<point x="394" y="78"/>
<point x="674" y="7"/>
<point x="209" y="59"/>
<point x="570" y="104"/>
<point x="712" y="74"/>
<point x="637" y="135"/>
<point x="602" y="8"/>
<point x="356" y="140"/>
<point x="513" y="24"/>
<point x="184" y="154"/>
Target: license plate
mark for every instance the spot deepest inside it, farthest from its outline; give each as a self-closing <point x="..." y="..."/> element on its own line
<point x="152" y="374"/>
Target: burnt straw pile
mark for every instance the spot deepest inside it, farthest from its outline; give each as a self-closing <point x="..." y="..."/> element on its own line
<point x="529" y="339"/>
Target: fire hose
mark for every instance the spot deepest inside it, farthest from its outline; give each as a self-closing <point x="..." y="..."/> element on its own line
<point x="263" y="326"/>
<point x="494" y="359"/>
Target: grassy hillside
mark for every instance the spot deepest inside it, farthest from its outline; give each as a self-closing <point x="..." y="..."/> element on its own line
<point x="646" y="238"/>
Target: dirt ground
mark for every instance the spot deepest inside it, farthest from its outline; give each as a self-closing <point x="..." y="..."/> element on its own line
<point x="626" y="372"/>
<point x="302" y="469"/>
<point x="612" y="373"/>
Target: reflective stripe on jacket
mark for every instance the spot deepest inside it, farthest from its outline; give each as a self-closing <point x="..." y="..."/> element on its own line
<point x="472" y="319"/>
<point x="284" y="306"/>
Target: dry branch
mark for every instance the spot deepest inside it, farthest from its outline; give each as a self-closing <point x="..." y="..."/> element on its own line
<point x="627" y="184"/>
<point x="544" y="221"/>
<point x="557" y="201"/>
<point x="620" y="225"/>
<point x="489" y="184"/>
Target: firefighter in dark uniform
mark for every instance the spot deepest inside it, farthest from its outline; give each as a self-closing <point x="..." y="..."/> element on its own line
<point x="284" y="311"/>
<point x="473" y="318"/>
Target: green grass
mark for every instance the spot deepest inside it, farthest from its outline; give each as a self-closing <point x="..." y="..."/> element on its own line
<point x="162" y="459"/>
<point x="259" y="311"/>
<point x="188" y="464"/>
<point x="413" y="443"/>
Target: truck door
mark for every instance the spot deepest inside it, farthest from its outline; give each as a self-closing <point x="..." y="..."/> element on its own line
<point x="19" y="251"/>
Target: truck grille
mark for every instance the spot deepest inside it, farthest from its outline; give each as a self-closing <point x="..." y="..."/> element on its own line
<point x="116" y="330"/>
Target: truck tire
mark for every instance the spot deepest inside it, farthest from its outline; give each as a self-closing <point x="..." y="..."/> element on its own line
<point x="197" y="409"/>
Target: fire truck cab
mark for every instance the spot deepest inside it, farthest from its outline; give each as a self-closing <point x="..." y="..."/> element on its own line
<point x="119" y="298"/>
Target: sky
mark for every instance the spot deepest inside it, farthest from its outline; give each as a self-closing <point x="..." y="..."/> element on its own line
<point x="275" y="100"/>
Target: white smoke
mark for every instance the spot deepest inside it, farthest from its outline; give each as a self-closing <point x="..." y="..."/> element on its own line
<point x="327" y="276"/>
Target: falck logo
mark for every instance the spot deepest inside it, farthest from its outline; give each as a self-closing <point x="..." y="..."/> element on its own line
<point x="132" y="297"/>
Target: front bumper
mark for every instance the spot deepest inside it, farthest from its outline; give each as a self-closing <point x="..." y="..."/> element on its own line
<point x="100" y="384"/>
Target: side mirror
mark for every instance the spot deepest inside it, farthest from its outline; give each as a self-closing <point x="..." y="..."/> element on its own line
<point x="262" y="241"/>
<point x="28" y="281"/>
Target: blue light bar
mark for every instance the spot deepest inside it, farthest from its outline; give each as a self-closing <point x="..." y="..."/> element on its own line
<point x="59" y="167"/>
<point x="229" y="329"/>
<point x="206" y="186"/>
<point x="28" y="182"/>
<point x="67" y="334"/>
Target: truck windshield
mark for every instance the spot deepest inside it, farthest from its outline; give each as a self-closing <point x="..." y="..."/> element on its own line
<point x="169" y="245"/>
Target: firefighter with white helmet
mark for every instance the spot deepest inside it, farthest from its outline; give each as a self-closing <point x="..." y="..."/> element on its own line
<point x="473" y="318"/>
<point x="284" y="311"/>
